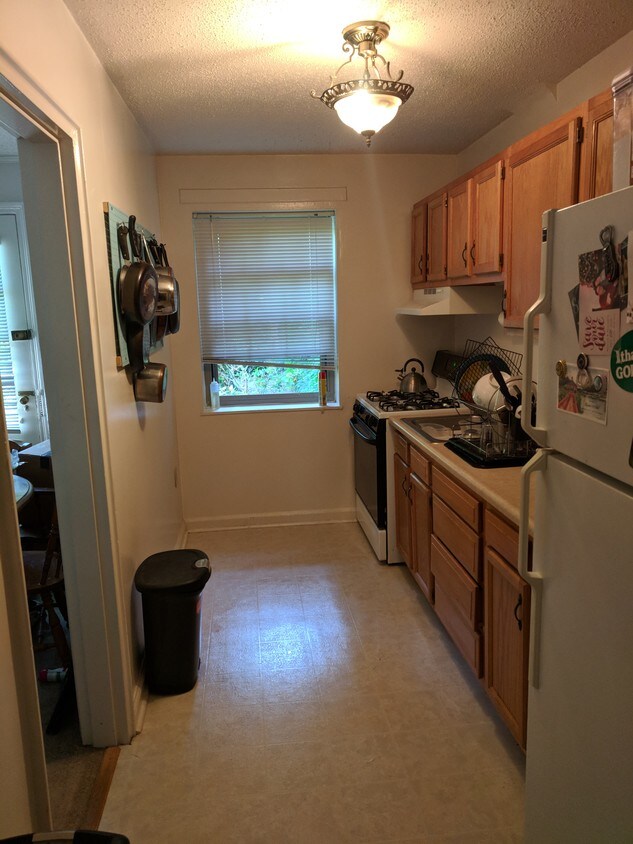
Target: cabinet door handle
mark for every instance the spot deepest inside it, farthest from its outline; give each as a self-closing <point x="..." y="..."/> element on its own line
<point x="464" y="254"/>
<point x="409" y="488"/>
<point x="472" y="252"/>
<point x="421" y="264"/>
<point x="519" y="621"/>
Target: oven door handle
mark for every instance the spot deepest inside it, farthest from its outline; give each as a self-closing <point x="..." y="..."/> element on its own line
<point x="370" y="440"/>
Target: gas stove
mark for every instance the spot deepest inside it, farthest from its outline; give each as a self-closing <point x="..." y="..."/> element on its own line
<point x="373" y="457"/>
<point x="394" y="400"/>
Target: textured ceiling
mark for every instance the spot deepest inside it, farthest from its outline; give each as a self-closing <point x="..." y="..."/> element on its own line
<point x="235" y="75"/>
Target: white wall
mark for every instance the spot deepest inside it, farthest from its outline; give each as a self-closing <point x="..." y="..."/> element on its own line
<point x="10" y="187"/>
<point x="283" y="465"/>
<point x="43" y="53"/>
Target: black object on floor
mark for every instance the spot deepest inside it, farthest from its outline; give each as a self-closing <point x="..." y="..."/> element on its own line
<point x="171" y="584"/>
<point x="78" y="836"/>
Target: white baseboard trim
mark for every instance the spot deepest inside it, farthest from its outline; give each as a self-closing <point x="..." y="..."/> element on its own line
<point x="254" y="520"/>
<point x="139" y="700"/>
<point x="181" y="541"/>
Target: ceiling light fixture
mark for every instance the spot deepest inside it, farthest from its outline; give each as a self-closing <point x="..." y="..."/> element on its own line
<point x="369" y="103"/>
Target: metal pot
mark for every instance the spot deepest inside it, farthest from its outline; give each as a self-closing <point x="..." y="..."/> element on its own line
<point x="150" y="384"/>
<point x="413" y="381"/>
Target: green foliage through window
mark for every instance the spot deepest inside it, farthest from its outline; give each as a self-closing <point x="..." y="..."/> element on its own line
<point x="239" y="380"/>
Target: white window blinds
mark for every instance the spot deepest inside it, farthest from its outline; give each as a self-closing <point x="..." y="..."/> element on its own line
<point x="6" y="370"/>
<point x="266" y="288"/>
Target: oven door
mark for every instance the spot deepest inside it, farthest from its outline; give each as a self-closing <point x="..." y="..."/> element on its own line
<point x="370" y="470"/>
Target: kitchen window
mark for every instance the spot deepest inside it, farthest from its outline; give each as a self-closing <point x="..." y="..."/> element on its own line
<point x="267" y="306"/>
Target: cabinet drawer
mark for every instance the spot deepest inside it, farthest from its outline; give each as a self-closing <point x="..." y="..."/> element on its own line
<point x="461" y="540"/>
<point x="401" y="446"/>
<point x="503" y="537"/>
<point x="465" y="505"/>
<point x="460" y="629"/>
<point x="456" y="584"/>
<point x="420" y="466"/>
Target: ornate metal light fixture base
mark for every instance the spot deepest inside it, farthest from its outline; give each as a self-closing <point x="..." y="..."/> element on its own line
<point x="369" y="103"/>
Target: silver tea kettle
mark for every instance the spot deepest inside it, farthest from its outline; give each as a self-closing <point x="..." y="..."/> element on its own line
<point x="413" y="381"/>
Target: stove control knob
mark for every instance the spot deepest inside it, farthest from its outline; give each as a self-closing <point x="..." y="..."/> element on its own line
<point x="561" y="368"/>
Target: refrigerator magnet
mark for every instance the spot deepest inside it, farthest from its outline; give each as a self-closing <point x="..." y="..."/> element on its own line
<point x="622" y="362"/>
<point x="583" y="392"/>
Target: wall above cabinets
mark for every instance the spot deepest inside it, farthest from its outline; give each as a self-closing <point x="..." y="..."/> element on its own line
<point x="485" y="225"/>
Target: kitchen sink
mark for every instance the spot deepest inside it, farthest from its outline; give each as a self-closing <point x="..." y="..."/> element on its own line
<point x="442" y="428"/>
<point x="483" y="445"/>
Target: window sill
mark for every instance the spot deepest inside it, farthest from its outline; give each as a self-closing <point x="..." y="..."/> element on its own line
<point x="267" y="408"/>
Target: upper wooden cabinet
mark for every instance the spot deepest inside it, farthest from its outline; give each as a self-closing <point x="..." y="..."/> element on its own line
<point x="418" y="241"/>
<point x="458" y="230"/>
<point x="486" y="251"/>
<point x="486" y="225"/>
<point x="436" y="238"/>
<point x="475" y="225"/>
<point x="596" y="176"/>
<point x="463" y="230"/>
<point x="542" y="173"/>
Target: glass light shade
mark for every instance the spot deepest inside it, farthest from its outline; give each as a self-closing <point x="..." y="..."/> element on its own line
<point x="367" y="112"/>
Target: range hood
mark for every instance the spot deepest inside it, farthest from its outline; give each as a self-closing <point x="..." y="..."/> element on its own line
<point x="449" y="301"/>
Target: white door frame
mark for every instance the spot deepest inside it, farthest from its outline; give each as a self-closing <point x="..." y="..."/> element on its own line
<point x="63" y="274"/>
<point x="24" y="804"/>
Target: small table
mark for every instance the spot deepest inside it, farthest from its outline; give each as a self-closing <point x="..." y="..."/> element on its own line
<point x="22" y="489"/>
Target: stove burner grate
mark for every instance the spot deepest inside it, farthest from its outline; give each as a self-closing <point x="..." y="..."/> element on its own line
<point x="395" y="400"/>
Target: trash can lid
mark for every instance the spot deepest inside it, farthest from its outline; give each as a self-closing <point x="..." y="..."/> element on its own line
<point x="185" y="570"/>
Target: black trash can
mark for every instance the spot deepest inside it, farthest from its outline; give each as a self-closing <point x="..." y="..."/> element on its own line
<point x="171" y="585"/>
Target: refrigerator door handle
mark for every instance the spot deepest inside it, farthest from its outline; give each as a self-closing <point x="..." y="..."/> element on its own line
<point x="541" y="306"/>
<point x="535" y="578"/>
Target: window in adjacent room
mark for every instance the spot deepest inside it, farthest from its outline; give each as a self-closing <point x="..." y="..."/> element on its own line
<point x="267" y="306"/>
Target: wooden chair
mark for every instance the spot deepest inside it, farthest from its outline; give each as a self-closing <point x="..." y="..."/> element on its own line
<point x="45" y="589"/>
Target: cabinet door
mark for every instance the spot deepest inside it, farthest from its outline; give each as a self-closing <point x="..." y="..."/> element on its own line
<point x="542" y="173"/>
<point x="418" y="244"/>
<point x="506" y="633"/>
<point x="421" y="536"/>
<point x="597" y="159"/>
<point x="487" y="220"/>
<point x="436" y="239"/>
<point x="458" y="236"/>
<point x="403" y="508"/>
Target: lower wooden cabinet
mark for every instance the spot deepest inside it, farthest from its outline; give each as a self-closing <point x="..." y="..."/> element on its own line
<point x="457" y="603"/>
<point x="413" y="515"/>
<point x="403" y="507"/>
<point x="507" y="637"/>
<point x="476" y="591"/>
<point x="421" y="536"/>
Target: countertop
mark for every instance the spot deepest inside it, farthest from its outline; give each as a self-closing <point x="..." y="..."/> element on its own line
<point x="500" y="488"/>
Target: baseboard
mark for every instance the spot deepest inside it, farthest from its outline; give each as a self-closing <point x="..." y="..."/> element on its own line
<point x="139" y="700"/>
<point x="182" y="537"/>
<point x="254" y="520"/>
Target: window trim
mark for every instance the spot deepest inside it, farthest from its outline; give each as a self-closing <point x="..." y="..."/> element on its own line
<point x="210" y="372"/>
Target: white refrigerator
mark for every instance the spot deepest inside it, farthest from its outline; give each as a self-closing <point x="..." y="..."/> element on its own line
<point x="579" y="763"/>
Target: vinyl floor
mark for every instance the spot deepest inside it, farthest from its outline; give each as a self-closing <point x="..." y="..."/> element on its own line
<point x="331" y="706"/>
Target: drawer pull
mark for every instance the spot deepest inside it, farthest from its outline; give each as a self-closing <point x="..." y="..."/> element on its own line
<point x="519" y="621"/>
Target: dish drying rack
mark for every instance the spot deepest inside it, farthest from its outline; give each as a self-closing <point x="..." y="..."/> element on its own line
<point x="493" y="438"/>
<point x="478" y="354"/>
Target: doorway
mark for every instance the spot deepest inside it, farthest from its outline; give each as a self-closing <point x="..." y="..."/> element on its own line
<point x="48" y="160"/>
